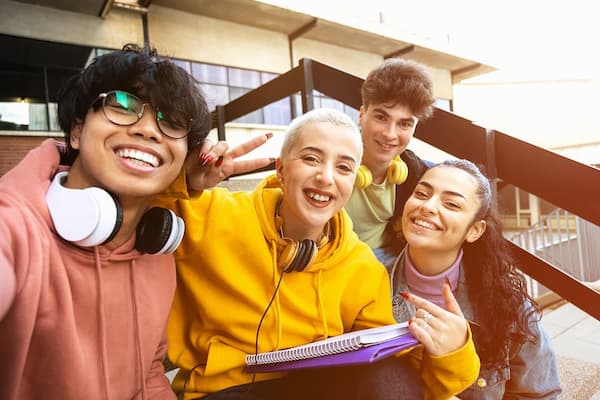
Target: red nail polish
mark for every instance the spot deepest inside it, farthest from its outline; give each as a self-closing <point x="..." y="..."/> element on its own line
<point x="219" y="161"/>
<point x="206" y="160"/>
<point x="269" y="135"/>
<point x="409" y="322"/>
<point x="405" y="295"/>
<point x="448" y="282"/>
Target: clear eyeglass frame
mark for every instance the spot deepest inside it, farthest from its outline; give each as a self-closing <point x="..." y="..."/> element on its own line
<point x="125" y="109"/>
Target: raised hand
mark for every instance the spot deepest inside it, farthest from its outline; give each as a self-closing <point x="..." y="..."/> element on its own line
<point x="440" y="331"/>
<point x="209" y="163"/>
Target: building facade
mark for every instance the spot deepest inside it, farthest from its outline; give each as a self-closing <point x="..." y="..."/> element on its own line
<point x="230" y="46"/>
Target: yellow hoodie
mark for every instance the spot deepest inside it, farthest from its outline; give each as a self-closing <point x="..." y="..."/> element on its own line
<point x="227" y="269"/>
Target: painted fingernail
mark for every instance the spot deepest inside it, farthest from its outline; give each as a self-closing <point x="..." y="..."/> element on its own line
<point x="447" y="281"/>
<point x="269" y="135"/>
<point x="207" y="159"/>
<point x="405" y="295"/>
<point x="410" y="322"/>
<point x="219" y="161"/>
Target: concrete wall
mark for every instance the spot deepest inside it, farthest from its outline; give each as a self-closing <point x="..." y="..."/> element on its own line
<point x="194" y="37"/>
<point x="53" y="25"/>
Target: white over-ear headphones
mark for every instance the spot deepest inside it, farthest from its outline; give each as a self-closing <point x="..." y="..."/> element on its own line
<point x="92" y="216"/>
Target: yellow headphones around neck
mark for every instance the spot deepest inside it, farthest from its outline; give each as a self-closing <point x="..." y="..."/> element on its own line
<point x="397" y="172"/>
<point x="297" y="255"/>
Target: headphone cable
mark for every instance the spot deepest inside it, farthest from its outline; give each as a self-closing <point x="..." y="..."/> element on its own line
<point x="264" y="314"/>
<point x="262" y="319"/>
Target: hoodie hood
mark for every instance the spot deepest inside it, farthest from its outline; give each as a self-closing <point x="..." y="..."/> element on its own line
<point x="29" y="181"/>
<point x="343" y="239"/>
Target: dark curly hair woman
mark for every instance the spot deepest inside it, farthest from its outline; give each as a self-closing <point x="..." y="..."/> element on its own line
<point x="454" y="238"/>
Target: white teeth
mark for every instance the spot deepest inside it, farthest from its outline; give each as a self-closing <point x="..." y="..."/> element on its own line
<point x="387" y="146"/>
<point x="318" y="197"/>
<point x="139" y="157"/>
<point x="425" y="224"/>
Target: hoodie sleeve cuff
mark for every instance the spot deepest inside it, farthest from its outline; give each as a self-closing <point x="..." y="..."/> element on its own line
<point x="450" y="374"/>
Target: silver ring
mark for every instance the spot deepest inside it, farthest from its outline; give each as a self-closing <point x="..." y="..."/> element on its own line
<point x="426" y="317"/>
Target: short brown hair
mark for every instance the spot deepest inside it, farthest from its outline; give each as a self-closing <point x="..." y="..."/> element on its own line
<point x="399" y="81"/>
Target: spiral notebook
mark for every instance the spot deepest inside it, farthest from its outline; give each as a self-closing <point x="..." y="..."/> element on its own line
<point x="359" y="347"/>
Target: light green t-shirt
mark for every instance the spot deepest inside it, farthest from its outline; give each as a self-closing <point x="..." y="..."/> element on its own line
<point x="370" y="210"/>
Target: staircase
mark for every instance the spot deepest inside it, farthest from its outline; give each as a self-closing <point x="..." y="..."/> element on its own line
<point x="566" y="241"/>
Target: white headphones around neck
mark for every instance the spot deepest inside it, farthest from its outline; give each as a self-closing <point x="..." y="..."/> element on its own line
<point x="92" y="216"/>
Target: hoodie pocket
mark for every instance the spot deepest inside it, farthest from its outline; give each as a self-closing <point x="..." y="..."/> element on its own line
<point x="222" y="357"/>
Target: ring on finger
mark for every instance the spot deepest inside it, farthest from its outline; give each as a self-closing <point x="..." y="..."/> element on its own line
<point x="426" y="317"/>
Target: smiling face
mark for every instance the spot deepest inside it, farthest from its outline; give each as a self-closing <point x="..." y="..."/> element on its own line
<point x="129" y="161"/>
<point x="386" y="131"/>
<point x="317" y="174"/>
<point x="438" y="217"/>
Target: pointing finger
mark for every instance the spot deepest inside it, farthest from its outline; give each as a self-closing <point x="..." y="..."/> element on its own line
<point x="450" y="301"/>
<point x="243" y="166"/>
<point x="419" y="302"/>
<point x="250" y="145"/>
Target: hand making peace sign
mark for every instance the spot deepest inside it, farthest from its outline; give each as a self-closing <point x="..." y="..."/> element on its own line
<point x="209" y="163"/>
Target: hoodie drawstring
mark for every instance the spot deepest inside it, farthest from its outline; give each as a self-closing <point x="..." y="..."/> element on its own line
<point x="101" y="324"/>
<point x="277" y="304"/>
<point x="322" y="306"/>
<point x="136" y="326"/>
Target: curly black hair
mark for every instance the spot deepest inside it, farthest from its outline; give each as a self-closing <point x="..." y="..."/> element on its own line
<point x="495" y="287"/>
<point x="141" y="72"/>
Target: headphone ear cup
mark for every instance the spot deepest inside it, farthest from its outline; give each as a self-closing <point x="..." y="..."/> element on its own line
<point x="397" y="172"/>
<point x="160" y="231"/>
<point x="288" y="254"/>
<point x="363" y="177"/>
<point x="87" y="217"/>
<point x="297" y="256"/>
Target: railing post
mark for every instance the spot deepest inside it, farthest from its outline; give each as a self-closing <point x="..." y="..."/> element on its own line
<point x="308" y="85"/>
<point x="47" y="95"/>
<point x="221" y="122"/>
<point x="492" y="170"/>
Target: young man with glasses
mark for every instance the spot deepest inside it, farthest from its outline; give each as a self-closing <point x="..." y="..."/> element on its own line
<point x="83" y="301"/>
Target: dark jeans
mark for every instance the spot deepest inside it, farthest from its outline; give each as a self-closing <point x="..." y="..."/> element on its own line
<point x="391" y="378"/>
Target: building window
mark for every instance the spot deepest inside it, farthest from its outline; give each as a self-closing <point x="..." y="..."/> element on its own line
<point x="221" y="84"/>
<point x="28" y="94"/>
<point x="322" y="101"/>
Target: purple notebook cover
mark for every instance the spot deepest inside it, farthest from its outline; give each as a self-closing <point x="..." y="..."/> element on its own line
<point x="364" y="355"/>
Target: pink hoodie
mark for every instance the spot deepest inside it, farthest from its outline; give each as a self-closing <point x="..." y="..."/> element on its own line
<point x="75" y="323"/>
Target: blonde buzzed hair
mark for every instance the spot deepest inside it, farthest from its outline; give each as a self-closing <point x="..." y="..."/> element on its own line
<point x="317" y="115"/>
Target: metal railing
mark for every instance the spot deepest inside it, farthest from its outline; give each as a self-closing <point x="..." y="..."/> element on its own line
<point x="567" y="242"/>
<point x="570" y="185"/>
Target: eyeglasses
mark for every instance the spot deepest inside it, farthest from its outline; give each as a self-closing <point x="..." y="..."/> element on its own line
<point x="124" y="109"/>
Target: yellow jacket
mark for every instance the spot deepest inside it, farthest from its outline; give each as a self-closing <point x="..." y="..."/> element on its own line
<point x="227" y="270"/>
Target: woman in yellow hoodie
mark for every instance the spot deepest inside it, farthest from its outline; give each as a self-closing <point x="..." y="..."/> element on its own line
<point x="284" y="258"/>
